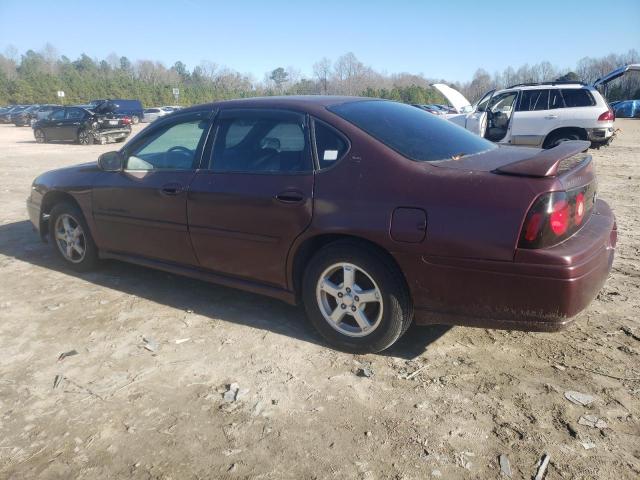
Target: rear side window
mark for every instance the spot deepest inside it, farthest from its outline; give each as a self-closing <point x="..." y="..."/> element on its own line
<point x="531" y="100"/>
<point x="555" y="99"/>
<point x="261" y="141"/>
<point x="410" y="131"/>
<point x="330" y="145"/>
<point x="577" y="97"/>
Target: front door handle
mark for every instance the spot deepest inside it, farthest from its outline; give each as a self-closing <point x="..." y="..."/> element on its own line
<point x="551" y="117"/>
<point x="171" y="189"/>
<point x="290" y="196"/>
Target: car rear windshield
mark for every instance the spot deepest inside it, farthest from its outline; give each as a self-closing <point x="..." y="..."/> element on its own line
<point x="410" y="131"/>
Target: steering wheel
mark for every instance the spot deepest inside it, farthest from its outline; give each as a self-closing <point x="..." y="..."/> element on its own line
<point x="184" y="151"/>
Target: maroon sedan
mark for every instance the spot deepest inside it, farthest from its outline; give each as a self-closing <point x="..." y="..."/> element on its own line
<point x="372" y="213"/>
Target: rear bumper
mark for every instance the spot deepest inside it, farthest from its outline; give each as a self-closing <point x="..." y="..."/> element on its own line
<point x="541" y="290"/>
<point x="601" y="136"/>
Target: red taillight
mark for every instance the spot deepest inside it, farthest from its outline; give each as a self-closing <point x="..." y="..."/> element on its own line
<point x="555" y="216"/>
<point x="559" y="218"/>
<point x="126" y="121"/>
<point x="533" y="227"/>
<point x="607" y="116"/>
<point x="579" y="209"/>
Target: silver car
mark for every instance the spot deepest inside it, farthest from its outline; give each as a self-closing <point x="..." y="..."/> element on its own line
<point x="152" y="114"/>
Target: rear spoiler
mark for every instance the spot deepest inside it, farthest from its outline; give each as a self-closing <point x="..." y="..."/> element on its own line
<point x="545" y="163"/>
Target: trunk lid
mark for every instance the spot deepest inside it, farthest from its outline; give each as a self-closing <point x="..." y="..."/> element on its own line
<point x="618" y="72"/>
<point x="457" y="100"/>
<point x="522" y="161"/>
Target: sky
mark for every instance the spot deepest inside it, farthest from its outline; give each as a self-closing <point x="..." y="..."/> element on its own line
<point x="449" y="41"/>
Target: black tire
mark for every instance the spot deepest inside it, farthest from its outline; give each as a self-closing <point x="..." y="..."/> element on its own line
<point x="557" y="138"/>
<point x="121" y="139"/>
<point x="84" y="137"/>
<point x="135" y="119"/>
<point x="397" y="308"/>
<point x="90" y="259"/>
<point x="39" y="135"/>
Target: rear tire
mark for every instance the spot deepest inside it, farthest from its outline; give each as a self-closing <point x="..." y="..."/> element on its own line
<point x="557" y="138"/>
<point x="356" y="297"/>
<point x="135" y="120"/>
<point x="70" y="237"/>
<point x="84" y="137"/>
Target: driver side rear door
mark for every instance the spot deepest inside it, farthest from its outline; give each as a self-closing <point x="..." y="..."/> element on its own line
<point x="142" y="209"/>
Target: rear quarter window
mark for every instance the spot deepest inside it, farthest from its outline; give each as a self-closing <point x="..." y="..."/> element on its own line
<point x="577" y="97"/>
<point x="412" y="132"/>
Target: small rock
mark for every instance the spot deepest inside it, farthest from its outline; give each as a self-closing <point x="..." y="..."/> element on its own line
<point x="231" y="395"/>
<point x="559" y="367"/>
<point x="588" y="445"/>
<point x="592" y="421"/>
<point x="182" y="340"/>
<point x="436" y="473"/>
<point x="421" y="405"/>
<point x="368" y="433"/>
<point x="505" y="466"/>
<point x="579" y="398"/>
<point x="233" y="467"/>
<point x="366" y="372"/>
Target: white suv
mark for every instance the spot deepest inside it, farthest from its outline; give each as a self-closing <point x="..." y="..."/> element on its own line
<point x="539" y="115"/>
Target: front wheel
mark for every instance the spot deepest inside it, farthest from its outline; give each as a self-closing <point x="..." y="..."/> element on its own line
<point x="356" y="298"/>
<point x="38" y="133"/>
<point x="71" y="237"/>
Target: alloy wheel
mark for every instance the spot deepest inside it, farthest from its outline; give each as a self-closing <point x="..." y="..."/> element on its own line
<point x="70" y="238"/>
<point x="39" y="134"/>
<point x="83" y="137"/>
<point x="349" y="300"/>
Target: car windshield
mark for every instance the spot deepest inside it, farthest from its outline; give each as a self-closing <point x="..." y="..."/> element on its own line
<point x="412" y="132"/>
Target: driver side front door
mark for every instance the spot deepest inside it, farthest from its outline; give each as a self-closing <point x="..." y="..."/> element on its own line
<point x="142" y="209"/>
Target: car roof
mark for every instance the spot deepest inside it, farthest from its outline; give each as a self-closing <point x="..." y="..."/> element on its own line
<point x="294" y="102"/>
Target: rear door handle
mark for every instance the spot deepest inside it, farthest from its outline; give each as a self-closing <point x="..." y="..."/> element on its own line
<point x="171" y="189"/>
<point x="551" y="117"/>
<point x="290" y="196"/>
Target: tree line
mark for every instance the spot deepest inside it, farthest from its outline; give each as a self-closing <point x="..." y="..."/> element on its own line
<point x="36" y="76"/>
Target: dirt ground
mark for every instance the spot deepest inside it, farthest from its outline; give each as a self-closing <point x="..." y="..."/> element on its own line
<point x="443" y="403"/>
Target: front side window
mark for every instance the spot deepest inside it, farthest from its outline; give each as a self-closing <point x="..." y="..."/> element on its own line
<point x="410" y="131"/>
<point x="330" y="145"/>
<point x="577" y="97"/>
<point x="75" y="114"/>
<point x="261" y="142"/>
<point x="171" y="147"/>
<point x="531" y="100"/>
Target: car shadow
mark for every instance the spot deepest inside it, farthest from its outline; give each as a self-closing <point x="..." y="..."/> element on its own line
<point x="18" y="240"/>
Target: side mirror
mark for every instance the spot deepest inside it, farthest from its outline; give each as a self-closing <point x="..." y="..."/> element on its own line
<point x="111" y="161"/>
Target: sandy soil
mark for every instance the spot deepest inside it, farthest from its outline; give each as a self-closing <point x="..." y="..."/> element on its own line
<point x="122" y="411"/>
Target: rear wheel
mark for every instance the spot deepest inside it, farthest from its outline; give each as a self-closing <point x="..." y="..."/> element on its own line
<point x="356" y="298"/>
<point x="557" y="138"/>
<point x="135" y="120"/>
<point x="71" y="237"/>
<point x="38" y="133"/>
<point x="84" y="137"/>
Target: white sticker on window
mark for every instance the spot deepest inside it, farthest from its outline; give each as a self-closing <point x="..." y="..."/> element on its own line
<point x="330" y="155"/>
